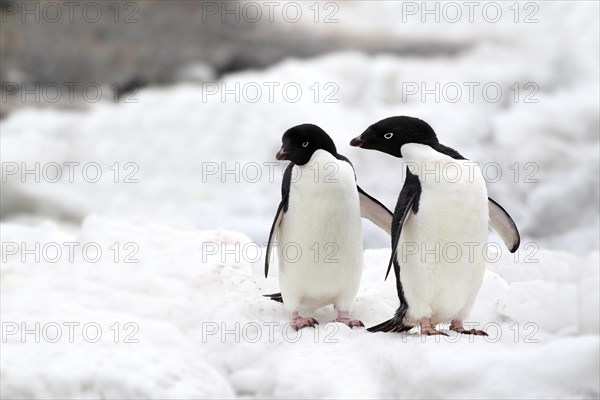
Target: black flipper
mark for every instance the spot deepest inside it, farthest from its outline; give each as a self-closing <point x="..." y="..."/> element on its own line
<point x="275" y="297"/>
<point x="396" y="239"/>
<point x="281" y="210"/>
<point x="374" y="211"/>
<point x="408" y="202"/>
<point x="274" y="228"/>
<point x="504" y="226"/>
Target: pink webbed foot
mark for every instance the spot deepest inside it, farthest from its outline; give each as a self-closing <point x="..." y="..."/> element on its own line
<point x="428" y="329"/>
<point x="299" y="322"/>
<point x="457" y="326"/>
<point x="350" y="322"/>
<point x="344" y="318"/>
<point x="431" y="331"/>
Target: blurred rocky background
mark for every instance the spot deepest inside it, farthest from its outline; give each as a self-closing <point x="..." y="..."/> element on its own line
<point x="139" y="43"/>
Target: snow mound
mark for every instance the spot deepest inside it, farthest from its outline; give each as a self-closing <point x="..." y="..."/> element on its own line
<point x="192" y="323"/>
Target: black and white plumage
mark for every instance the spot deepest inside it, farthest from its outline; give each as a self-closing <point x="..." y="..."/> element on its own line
<point x="434" y="213"/>
<point x="319" y="215"/>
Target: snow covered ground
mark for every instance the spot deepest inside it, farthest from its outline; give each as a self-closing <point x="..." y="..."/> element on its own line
<point x="202" y="329"/>
<point x="182" y="318"/>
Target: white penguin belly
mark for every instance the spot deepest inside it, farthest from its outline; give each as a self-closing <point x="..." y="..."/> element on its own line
<point x="441" y="253"/>
<point x="320" y="242"/>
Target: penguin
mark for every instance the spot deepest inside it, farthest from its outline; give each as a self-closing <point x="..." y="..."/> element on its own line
<point x="318" y="227"/>
<point x="439" y="227"/>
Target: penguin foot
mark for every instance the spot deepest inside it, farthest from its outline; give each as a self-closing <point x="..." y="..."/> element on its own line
<point x="299" y="322"/>
<point x="431" y="331"/>
<point x="428" y="329"/>
<point x="350" y="322"/>
<point x="457" y="326"/>
<point x="344" y="318"/>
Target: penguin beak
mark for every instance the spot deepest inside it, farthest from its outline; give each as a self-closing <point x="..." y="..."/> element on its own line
<point x="357" y="142"/>
<point x="281" y="154"/>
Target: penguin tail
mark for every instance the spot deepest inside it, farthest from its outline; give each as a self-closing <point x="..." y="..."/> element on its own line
<point x="391" y="325"/>
<point x="275" y="297"/>
<point x="396" y="324"/>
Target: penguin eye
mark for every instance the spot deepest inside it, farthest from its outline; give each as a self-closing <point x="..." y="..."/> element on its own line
<point x="305" y="144"/>
<point x="388" y="135"/>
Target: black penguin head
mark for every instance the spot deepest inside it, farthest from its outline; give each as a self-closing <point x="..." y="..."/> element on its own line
<point x="300" y="142"/>
<point x="390" y="134"/>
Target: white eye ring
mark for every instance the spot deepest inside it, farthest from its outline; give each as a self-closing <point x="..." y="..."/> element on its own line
<point x="305" y="144"/>
<point x="388" y="135"/>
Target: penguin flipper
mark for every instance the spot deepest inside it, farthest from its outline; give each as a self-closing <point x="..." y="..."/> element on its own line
<point x="408" y="201"/>
<point x="281" y="209"/>
<point x="275" y="297"/>
<point x="504" y="226"/>
<point x="272" y="234"/>
<point x="374" y="211"/>
<point x="396" y="239"/>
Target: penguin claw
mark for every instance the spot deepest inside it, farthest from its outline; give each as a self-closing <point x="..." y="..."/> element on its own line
<point x="298" y="322"/>
<point x="476" y="332"/>
<point x="431" y="331"/>
<point x="428" y="329"/>
<point x="350" y="322"/>
<point x="457" y="326"/>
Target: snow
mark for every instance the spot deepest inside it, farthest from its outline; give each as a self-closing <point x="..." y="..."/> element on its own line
<point x="204" y="329"/>
<point x="189" y="150"/>
<point x="194" y="301"/>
